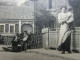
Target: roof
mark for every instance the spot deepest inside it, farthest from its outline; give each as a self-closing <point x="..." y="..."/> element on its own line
<point x="14" y="12"/>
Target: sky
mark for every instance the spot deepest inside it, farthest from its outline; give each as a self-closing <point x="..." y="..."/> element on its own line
<point x="17" y="2"/>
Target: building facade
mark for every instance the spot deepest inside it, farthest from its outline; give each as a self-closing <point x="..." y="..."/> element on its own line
<point x="15" y="19"/>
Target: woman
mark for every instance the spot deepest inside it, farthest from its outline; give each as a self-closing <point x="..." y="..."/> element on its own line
<point x="64" y="19"/>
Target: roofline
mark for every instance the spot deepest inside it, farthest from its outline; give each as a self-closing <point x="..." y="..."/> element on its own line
<point x="17" y="19"/>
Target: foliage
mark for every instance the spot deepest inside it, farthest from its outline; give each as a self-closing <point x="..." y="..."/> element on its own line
<point x="76" y="8"/>
<point x="44" y="19"/>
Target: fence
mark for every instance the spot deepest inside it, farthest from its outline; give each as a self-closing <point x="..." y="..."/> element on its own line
<point x="6" y="40"/>
<point x="75" y="39"/>
<point x="34" y="42"/>
<point x="50" y="38"/>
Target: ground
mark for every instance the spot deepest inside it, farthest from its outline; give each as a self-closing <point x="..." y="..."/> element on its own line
<point x="25" y="56"/>
<point x="37" y="54"/>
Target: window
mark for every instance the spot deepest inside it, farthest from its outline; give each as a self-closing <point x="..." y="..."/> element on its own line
<point x="17" y="28"/>
<point x="50" y="4"/>
<point x="7" y="28"/>
<point x="2" y="28"/>
<point x="11" y="28"/>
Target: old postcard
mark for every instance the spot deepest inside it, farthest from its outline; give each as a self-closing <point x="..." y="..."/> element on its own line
<point x="39" y="29"/>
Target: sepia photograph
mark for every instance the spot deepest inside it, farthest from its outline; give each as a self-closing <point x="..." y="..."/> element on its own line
<point x="39" y="30"/>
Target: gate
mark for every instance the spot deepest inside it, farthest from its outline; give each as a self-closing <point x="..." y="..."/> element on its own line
<point x="35" y="42"/>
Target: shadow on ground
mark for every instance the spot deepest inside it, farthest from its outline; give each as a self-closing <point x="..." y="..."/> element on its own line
<point x="9" y="49"/>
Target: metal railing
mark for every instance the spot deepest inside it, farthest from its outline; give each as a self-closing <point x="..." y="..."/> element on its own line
<point x="34" y="42"/>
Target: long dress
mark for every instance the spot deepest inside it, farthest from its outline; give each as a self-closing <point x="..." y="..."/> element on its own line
<point x="64" y="38"/>
<point x="62" y="17"/>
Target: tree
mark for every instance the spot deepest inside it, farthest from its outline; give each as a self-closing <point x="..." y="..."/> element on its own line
<point x="76" y="8"/>
<point x="44" y="19"/>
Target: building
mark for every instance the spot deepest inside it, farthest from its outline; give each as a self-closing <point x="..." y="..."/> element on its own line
<point x="15" y="19"/>
<point x="52" y="6"/>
